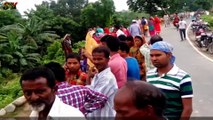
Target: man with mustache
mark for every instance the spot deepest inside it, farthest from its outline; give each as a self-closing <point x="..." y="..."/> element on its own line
<point x="104" y="80"/>
<point x="38" y="85"/>
<point x="175" y="83"/>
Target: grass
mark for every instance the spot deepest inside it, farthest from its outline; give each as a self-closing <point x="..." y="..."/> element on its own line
<point x="10" y="90"/>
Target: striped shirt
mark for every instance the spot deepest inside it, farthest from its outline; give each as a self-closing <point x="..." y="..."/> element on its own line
<point x="176" y="84"/>
<point x="105" y="83"/>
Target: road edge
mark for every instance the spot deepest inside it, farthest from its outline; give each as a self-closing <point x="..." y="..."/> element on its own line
<point x="187" y="37"/>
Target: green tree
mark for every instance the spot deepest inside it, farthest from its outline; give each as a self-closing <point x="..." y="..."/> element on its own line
<point x="98" y="14"/>
<point x="68" y="8"/>
<point x="125" y="17"/>
<point x="8" y="17"/>
<point x="168" y="6"/>
<point x="57" y="23"/>
<point x="204" y="4"/>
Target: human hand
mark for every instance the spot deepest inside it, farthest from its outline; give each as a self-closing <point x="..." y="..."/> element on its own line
<point x="92" y="71"/>
<point x="66" y="36"/>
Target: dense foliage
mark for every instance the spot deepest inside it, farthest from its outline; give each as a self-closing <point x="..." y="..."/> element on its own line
<point x="168" y="6"/>
<point x="209" y="19"/>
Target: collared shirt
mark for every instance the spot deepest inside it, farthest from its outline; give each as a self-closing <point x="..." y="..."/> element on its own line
<point x="79" y="79"/>
<point x="60" y="110"/>
<point x="81" y="97"/>
<point x="176" y="85"/>
<point x="118" y="67"/>
<point x="105" y="83"/>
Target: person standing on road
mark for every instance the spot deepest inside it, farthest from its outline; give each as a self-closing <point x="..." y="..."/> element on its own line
<point x="157" y="25"/>
<point x="175" y="83"/>
<point x="182" y="28"/>
<point x="134" y="29"/>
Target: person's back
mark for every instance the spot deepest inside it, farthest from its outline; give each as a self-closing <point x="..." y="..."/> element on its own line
<point x="119" y="72"/>
<point x="134" y="29"/>
<point x="133" y="70"/>
<point x="116" y="63"/>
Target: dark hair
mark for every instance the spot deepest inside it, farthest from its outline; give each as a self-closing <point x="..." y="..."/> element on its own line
<point x="57" y="69"/>
<point x="117" y="26"/>
<point x="139" y="37"/>
<point x="34" y="73"/>
<point x="122" y="38"/>
<point x="73" y="55"/>
<point x="104" y="38"/>
<point x="146" y="94"/>
<point x="129" y="38"/>
<point x="124" y="47"/>
<point x="113" y="43"/>
<point x="155" y="39"/>
<point x="102" y="49"/>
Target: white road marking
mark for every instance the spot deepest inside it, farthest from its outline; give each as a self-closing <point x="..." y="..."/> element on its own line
<point x="187" y="37"/>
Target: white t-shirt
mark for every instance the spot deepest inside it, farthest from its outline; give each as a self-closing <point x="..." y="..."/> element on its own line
<point x="119" y="32"/>
<point x="60" y="111"/>
<point x="182" y="24"/>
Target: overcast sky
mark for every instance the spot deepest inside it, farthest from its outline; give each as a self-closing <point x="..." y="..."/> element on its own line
<point x="24" y="5"/>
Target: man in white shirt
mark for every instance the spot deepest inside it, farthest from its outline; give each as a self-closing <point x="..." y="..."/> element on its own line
<point x="38" y="85"/>
<point x="182" y="28"/>
<point x="104" y="81"/>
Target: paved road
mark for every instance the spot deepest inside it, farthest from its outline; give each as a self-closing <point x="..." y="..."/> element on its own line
<point x="198" y="67"/>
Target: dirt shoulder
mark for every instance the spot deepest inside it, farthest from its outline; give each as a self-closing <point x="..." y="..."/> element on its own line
<point x="202" y="50"/>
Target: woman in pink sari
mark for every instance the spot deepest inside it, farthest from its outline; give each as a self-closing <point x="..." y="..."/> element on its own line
<point x="157" y="26"/>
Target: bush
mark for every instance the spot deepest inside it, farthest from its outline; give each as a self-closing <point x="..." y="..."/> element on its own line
<point x="6" y="73"/>
<point x="54" y="53"/>
<point x="209" y="19"/>
<point x="10" y="90"/>
<point x="78" y="45"/>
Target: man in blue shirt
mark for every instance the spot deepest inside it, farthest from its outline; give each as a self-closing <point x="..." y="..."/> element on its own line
<point x="133" y="71"/>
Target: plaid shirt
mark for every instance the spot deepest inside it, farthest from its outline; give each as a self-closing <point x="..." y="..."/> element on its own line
<point x="79" y="79"/>
<point x="83" y="98"/>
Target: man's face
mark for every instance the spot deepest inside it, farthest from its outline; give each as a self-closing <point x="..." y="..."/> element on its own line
<point x="38" y="94"/>
<point x="125" y="108"/>
<point x="100" y="61"/>
<point x="73" y="64"/>
<point x="159" y="59"/>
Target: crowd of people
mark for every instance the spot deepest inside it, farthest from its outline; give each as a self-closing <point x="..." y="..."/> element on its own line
<point x="118" y="74"/>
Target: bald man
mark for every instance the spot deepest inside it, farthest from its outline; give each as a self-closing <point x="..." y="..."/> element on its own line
<point x="139" y="100"/>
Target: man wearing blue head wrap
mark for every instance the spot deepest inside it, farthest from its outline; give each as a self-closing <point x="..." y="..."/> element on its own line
<point x="175" y="83"/>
